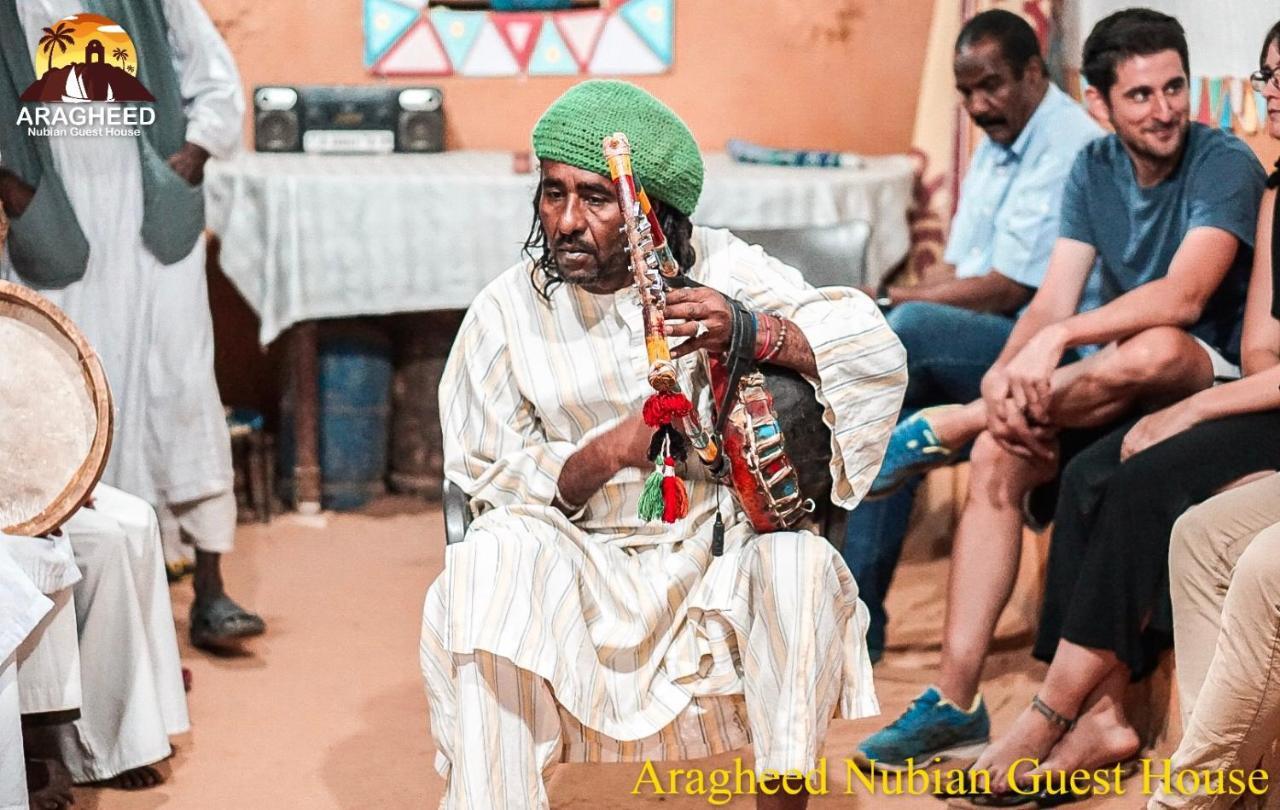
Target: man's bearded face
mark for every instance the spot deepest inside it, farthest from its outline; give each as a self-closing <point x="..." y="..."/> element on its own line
<point x="580" y="216"/>
<point x="1150" y="105"/>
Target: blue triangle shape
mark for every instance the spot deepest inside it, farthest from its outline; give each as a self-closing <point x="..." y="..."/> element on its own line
<point x="457" y="31"/>
<point x="551" y="56"/>
<point x="384" y="23"/>
<point x="651" y="20"/>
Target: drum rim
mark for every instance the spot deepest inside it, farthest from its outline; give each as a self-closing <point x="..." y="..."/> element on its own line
<point x="79" y="488"/>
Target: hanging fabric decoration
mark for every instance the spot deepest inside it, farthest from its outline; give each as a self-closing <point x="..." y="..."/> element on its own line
<point x="1209" y="102"/>
<point x="1197" y="87"/>
<point x="1248" y="112"/>
<point x="1238" y="89"/>
<point x="1224" y="119"/>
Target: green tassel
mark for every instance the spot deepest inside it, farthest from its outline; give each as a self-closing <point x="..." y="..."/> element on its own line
<point x="651" y="504"/>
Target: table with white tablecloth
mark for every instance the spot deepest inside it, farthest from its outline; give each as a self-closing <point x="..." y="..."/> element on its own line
<point x="325" y="236"/>
<point x="307" y="237"/>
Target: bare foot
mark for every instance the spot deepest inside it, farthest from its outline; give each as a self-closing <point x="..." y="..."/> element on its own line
<point x="1031" y="736"/>
<point x="139" y="778"/>
<point x="48" y="785"/>
<point x="1100" y="737"/>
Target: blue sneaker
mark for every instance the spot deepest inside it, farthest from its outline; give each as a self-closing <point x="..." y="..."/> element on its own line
<point x="930" y="727"/>
<point x="913" y="448"/>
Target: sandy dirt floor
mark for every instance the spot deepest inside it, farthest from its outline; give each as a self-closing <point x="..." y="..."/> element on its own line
<point x="327" y="710"/>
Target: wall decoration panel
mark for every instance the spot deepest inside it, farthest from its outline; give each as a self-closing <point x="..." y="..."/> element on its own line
<point x="617" y="38"/>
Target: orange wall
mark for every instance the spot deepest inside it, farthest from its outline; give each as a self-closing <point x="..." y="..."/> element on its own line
<point x="840" y="74"/>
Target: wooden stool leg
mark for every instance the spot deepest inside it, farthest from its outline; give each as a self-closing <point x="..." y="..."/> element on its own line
<point x="258" y="477"/>
<point x="306" y="417"/>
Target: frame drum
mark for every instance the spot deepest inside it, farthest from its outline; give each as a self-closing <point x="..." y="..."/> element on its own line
<point x="55" y="414"/>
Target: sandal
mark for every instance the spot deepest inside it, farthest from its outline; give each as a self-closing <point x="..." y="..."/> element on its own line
<point x="221" y="620"/>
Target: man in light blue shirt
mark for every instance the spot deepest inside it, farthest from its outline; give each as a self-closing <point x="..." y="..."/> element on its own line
<point x="1007" y="219"/>
<point x="1001" y="238"/>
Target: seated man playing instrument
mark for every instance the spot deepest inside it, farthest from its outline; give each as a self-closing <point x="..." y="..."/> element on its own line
<point x="566" y="627"/>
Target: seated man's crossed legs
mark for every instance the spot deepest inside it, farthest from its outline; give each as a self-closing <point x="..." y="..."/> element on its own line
<point x="1147" y="370"/>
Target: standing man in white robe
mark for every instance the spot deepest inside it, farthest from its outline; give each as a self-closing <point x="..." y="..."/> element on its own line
<point x="110" y="229"/>
<point x="564" y="627"/>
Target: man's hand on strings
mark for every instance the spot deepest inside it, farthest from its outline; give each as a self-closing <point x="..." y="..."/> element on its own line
<point x="704" y="318"/>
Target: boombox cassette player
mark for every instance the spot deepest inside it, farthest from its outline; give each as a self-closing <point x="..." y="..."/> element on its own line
<point x="368" y="120"/>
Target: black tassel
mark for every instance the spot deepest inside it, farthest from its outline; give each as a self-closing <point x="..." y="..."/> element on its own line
<point x="679" y="445"/>
<point x="717" y="537"/>
<point x="678" y="448"/>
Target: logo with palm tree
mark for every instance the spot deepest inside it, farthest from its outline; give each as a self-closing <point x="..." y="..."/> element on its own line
<point x="72" y="65"/>
<point x="57" y="38"/>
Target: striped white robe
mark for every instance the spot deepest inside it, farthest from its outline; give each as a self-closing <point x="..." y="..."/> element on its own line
<point x="651" y="647"/>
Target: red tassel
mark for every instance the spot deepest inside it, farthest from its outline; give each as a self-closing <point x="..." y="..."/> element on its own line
<point x="675" y="500"/>
<point x="663" y="407"/>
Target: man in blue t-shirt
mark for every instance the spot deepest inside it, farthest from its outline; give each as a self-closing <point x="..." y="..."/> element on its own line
<point x="1001" y="238"/>
<point x="1162" y="215"/>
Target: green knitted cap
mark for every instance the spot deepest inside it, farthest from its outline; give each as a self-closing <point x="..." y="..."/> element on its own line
<point x="664" y="155"/>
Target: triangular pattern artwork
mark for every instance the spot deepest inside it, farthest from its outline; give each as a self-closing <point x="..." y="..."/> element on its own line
<point x="417" y="53"/>
<point x="385" y="22"/>
<point x="619" y="38"/>
<point x="551" y="55"/>
<point x="520" y="32"/>
<point x="581" y="31"/>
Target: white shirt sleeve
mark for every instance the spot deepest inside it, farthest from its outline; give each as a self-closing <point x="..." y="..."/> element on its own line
<point x="210" y="84"/>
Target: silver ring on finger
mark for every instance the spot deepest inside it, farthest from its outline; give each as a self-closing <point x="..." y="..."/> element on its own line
<point x="702" y="330"/>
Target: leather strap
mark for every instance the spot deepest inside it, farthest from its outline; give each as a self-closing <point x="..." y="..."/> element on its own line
<point x="740" y="356"/>
<point x="1060" y="720"/>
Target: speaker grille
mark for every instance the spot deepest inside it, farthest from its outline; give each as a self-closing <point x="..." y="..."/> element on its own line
<point x="276" y="131"/>
<point x="420" y="131"/>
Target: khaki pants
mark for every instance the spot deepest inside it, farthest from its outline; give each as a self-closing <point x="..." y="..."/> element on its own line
<point x="1224" y="578"/>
